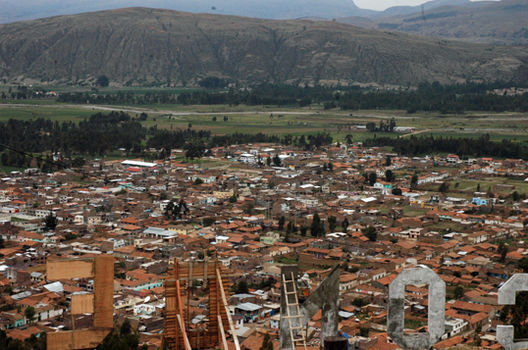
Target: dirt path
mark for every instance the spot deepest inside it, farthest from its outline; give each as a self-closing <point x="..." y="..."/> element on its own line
<point x="416" y="132"/>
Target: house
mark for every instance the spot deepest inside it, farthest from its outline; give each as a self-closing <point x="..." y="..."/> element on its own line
<point x="269" y="238"/>
<point x="454" y="326"/>
<point x="384" y="187"/>
<point x="479" y="201"/>
<point x="11" y="319"/>
<point x="347" y="281"/>
<point x="249" y="310"/>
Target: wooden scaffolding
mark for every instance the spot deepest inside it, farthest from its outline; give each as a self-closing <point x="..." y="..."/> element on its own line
<point x="179" y="334"/>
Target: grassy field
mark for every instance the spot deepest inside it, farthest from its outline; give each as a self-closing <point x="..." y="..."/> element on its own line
<point x="51" y="111"/>
<point x="8" y="169"/>
<point x="285" y="120"/>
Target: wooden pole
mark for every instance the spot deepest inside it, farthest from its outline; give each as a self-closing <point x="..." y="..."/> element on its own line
<point x="185" y="339"/>
<point x="224" y="299"/>
<point x="222" y="333"/>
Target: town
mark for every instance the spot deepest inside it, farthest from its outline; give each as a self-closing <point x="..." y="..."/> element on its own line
<point x="253" y="208"/>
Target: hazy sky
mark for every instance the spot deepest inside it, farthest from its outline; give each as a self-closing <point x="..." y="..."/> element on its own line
<point x="383" y="4"/>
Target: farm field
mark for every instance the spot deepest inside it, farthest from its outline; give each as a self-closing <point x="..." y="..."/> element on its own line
<point x="224" y="119"/>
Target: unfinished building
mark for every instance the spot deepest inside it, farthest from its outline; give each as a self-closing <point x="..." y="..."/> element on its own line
<point x="100" y="303"/>
<point x="179" y="335"/>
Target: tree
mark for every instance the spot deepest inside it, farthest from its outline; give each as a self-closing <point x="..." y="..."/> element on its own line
<point x="502" y="250"/>
<point x="267" y="344"/>
<point x="414" y="181"/>
<point x="371" y="126"/>
<point x="459" y="292"/>
<point x="2" y="245"/>
<point x="516" y="196"/>
<point x="315" y="227"/>
<point x="120" y="341"/>
<point x="478" y="187"/>
<point x="443" y="188"/>
<point x="102" y="81"/>
<point x="345" y="224"/>
<point x="392" y="125"/>
<point x="370" y="232"/>
<point x="125" y="327"/>
<point x="194" y="149"/>
<point x="389" y="176"/>
<point x="348" y="139"/>
<point x="303" y="230"/>
<point x="29" y="313"/>
<point x="489" y="193"/>
<point x="364" y="332"/>
<point x="213" y="118"/>
<point x="50" y="222"/>
<point x="372" y="178"/>
<point x="241" y="287"/>
<point x="31" y="343"/>
<point x="332" y="223"/>
<point x="477" y="341"/>
<point x="78" y="162"/>
<point x="523" y="264"/>
<point x="213" y="82"/>
<point x="388" y="161"/>
<point x="276" y="160"/>
<point x="282" y="220"/>
<point x="397" y="191"/>
<point x="169" y="209"/>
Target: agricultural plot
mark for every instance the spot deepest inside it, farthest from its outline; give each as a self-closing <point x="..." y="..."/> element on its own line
<point x="224" y="119"/>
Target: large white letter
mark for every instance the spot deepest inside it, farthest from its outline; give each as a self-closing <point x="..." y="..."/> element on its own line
<point x="517" y="283"/>
<point x="436" y="308"/>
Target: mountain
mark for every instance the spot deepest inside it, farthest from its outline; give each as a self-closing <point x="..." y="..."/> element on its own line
<point x="271" y="9"/>
<point x="19" y="10"/>
<point x="504" y="22"/>
<point x="154" y="47"/>
<point x="427" y="6"/>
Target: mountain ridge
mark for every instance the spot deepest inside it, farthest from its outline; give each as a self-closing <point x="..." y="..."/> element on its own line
<point x="504" y="22"/>
<point x="270" y="9"/>
<point x="143" y="46"/>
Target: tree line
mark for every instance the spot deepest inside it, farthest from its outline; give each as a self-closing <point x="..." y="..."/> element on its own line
<point x="455" y="98"/>
<point x="119" y="98"/>
<point x="95" y="135"/>
<point x="186" y="138"/>
<point x="463" y="146"/>
<point x="441" y="101"/>
<point x="61" y="144"/>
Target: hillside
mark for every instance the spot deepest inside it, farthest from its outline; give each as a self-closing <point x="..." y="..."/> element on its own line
<point x="13" y="11"/>
<point x="504" y="22"/>
<point x="148" y="46"/>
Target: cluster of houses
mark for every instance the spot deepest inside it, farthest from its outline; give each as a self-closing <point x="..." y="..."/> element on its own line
<point x="333" y="206"/>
